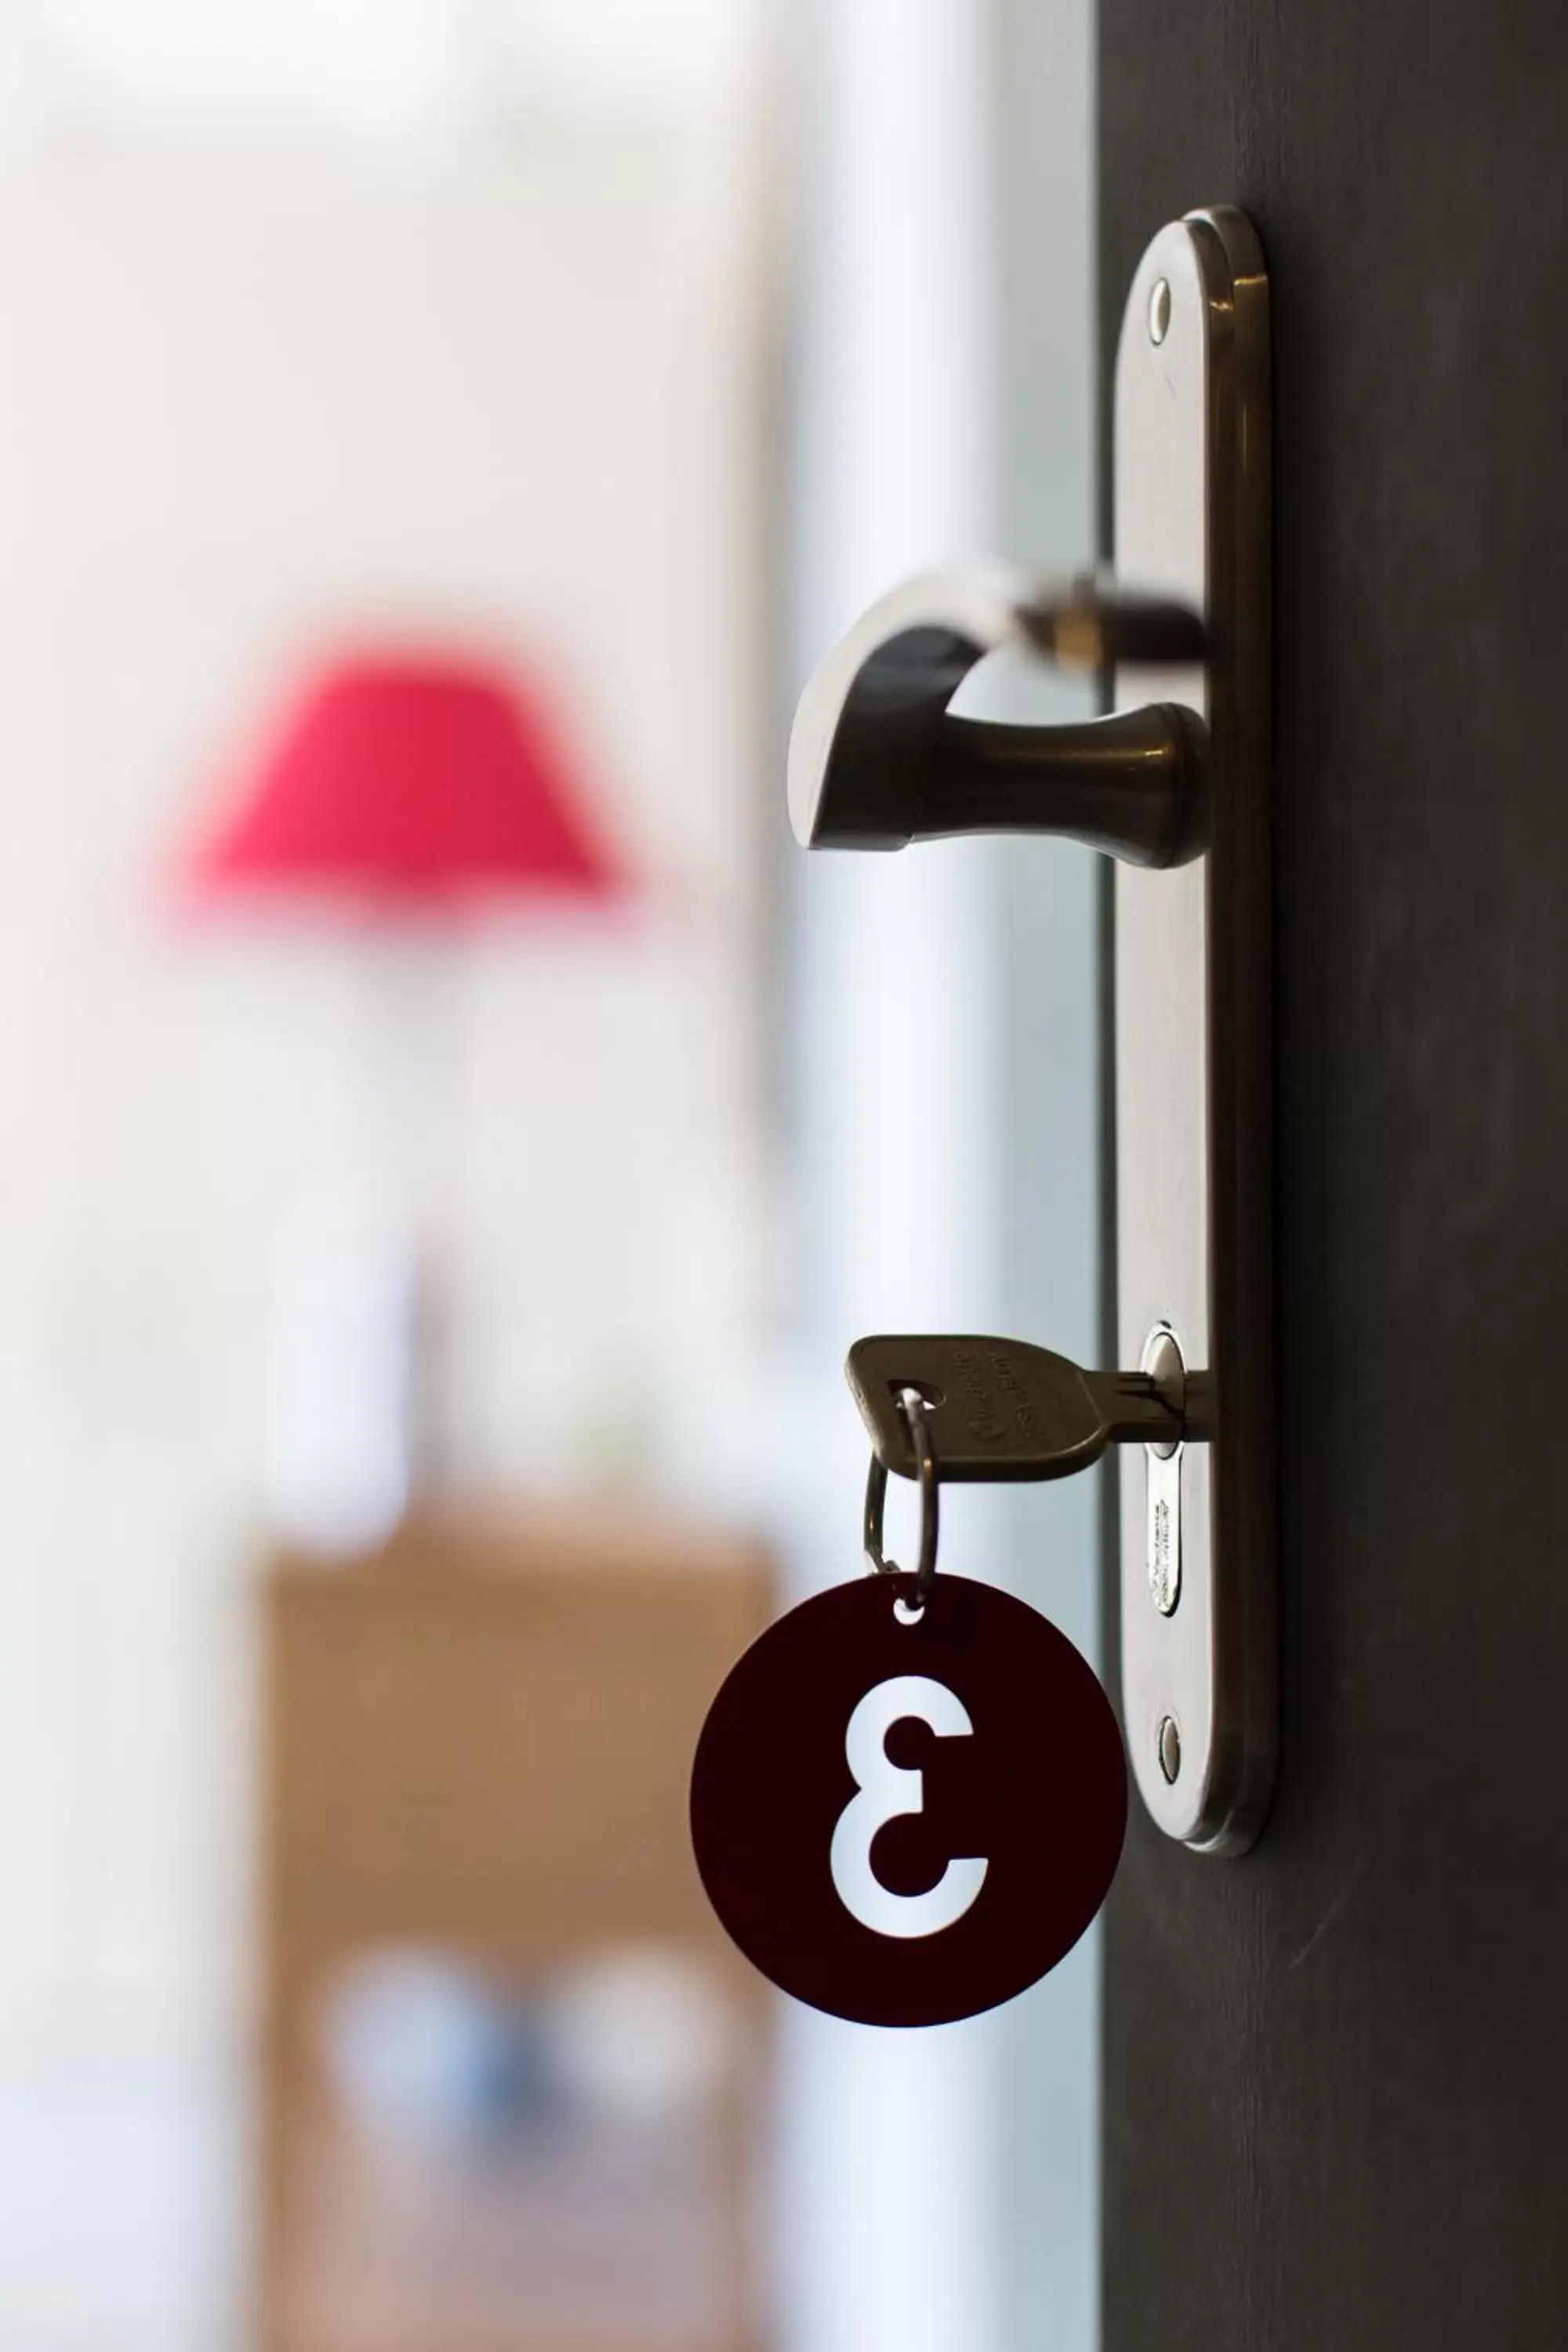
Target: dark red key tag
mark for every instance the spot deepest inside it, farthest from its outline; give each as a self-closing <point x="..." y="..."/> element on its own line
<point x="905" y="1821"/>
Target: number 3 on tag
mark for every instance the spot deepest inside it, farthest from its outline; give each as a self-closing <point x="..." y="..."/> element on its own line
<point x="904" y="1819"/>
<point x="883" y="1790"/>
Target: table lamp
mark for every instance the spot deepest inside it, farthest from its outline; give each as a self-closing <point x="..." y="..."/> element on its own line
<point x="401" y="790"/>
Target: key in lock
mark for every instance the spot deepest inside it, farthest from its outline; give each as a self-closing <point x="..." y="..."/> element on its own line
<point x="1004" y="1410"/>
<point x="1163" y="1460"/>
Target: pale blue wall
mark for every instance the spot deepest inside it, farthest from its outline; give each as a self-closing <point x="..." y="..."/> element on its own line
<point x="941" y="2188"/>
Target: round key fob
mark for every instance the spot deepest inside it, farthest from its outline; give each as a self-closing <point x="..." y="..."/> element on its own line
<point x="901" y="1818"/>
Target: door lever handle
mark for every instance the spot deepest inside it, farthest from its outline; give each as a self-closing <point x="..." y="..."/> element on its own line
<point x="1176" y="779"/>
<point x="878" y="760"/>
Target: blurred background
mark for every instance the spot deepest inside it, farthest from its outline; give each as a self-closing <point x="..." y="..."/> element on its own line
<point x="449" y="1138"/>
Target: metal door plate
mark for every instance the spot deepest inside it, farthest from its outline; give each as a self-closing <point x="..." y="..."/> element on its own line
<point x="1193" y="1043"/>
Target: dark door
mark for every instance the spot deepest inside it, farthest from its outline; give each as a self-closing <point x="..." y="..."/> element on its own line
<point x="1337" y="2092"/>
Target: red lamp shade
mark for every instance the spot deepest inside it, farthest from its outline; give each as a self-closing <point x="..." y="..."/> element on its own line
<point x="409" y="780"/>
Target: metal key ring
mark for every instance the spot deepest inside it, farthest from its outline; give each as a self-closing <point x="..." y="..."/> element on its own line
<point x="915" y="1411"/>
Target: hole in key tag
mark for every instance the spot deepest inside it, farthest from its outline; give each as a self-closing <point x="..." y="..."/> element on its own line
<point x="907" y="1807"/>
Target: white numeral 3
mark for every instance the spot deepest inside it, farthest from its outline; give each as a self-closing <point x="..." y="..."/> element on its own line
<point x="885" y="1790"/>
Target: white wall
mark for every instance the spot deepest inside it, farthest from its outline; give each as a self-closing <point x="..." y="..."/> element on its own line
<point x="471" y="363"/>
<point x="257" y="392"/>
